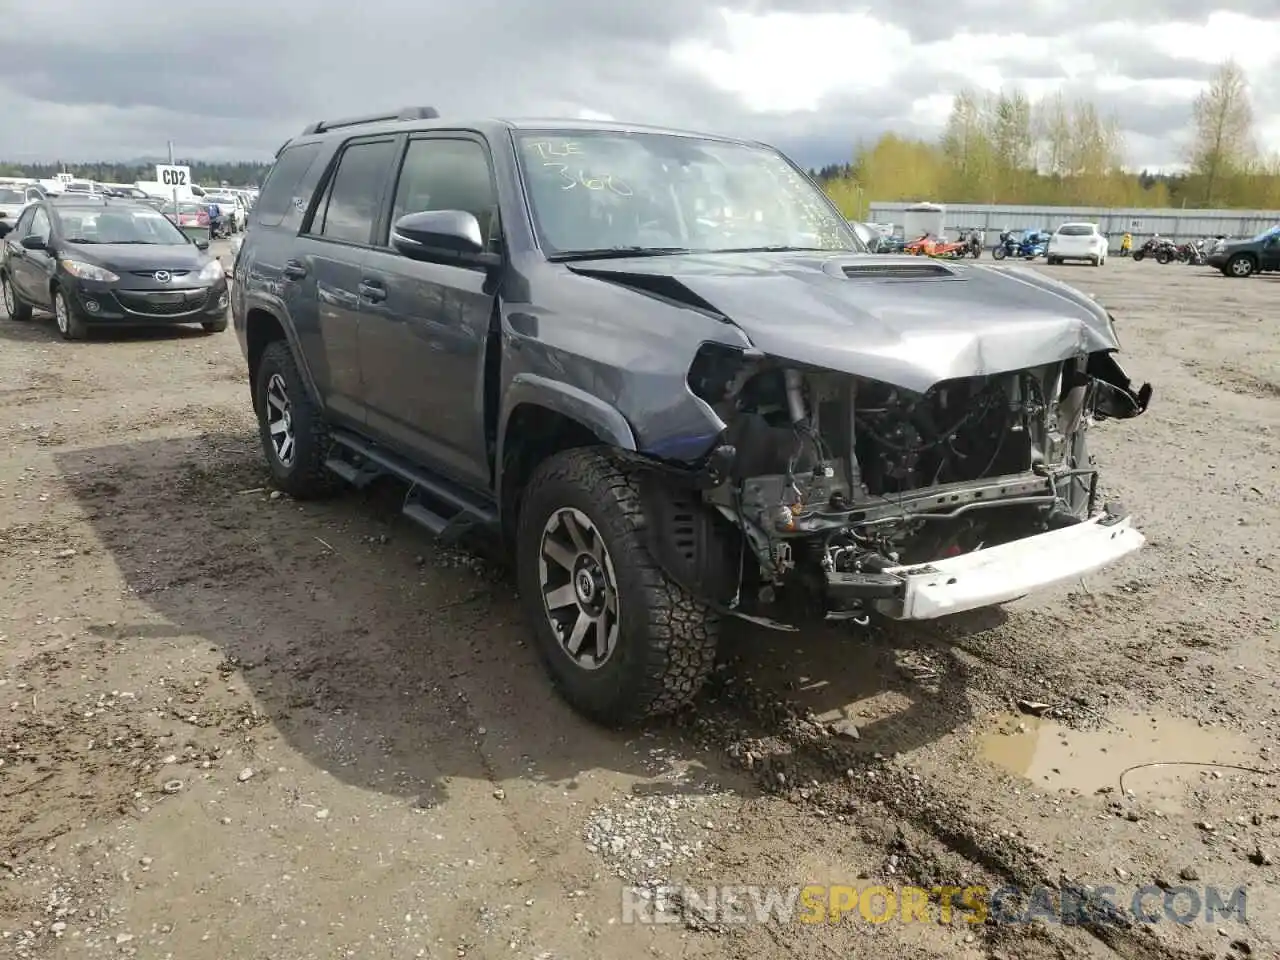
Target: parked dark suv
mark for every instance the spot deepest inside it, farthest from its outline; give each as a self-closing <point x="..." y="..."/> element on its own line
<point x="664" y="371"/>
<point x="1244" y="258"/>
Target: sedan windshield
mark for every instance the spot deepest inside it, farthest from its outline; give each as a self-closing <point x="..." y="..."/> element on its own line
<point x="618" y="193"/>
<point x="118" y="226"/>
<point x="12" y="196"/>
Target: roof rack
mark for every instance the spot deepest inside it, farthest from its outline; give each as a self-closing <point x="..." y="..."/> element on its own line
<point x="405" y="113"/>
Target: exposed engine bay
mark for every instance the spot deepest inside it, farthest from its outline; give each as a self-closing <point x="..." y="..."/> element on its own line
<point x="836" y="483"/>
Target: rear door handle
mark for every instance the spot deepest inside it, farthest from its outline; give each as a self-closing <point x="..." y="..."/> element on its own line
<point x="293" y="270"/>
<point x="373" y="291"/>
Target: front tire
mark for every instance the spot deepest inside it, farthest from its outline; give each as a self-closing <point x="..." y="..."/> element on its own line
<point x="70" y="323"/>
<point x="1138" y="256"/>
<point x="214" y="326"/>
<point x="291" y="425"/>
<point x="14" y="308"/>
<point x="999" y="253"/>
<point x="620" y="639"/>
<point x="1241" y="266"/>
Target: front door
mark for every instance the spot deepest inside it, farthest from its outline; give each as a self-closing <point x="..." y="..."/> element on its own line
<point x="32" y="269"/>
<point x="1269" y="258"/>
<point x="424" y="326"/>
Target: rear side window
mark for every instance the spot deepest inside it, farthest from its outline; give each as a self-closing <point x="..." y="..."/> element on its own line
<point x="353" y="198"/>
<point x="1075" y="230"/>
<point x="280" y="194"/>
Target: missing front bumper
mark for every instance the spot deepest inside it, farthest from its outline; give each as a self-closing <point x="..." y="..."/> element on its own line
<point x="997" y="575"/>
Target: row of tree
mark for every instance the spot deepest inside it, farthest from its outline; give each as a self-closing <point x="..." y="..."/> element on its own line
<point x="1003" y="148"/>
<point x="233" y="173"/>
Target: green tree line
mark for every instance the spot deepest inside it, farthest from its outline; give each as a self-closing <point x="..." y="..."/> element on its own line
<point x="236" y="173"/>
<point x="1004" y="148"/>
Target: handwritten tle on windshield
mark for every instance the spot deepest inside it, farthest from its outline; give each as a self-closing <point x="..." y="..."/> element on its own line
<point x="568" y="158"/>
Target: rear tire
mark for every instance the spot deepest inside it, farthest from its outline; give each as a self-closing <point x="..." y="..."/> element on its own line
<point x="291" y="425"/>
<point x="582" y="519"/>
<point x="17" y="311"/>
<point x="1241" y="266"/>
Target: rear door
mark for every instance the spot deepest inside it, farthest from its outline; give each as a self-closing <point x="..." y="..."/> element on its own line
<point x="328" y="265"/>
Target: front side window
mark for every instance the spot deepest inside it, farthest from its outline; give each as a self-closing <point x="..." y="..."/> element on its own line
<point x="606" y="190"/>
<point x="39" y="225"/>
<point x="447" y="174"/>
<point x="354" y="195"/>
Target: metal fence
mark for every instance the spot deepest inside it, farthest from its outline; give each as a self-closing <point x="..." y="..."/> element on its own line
<point x="1114" y="222"/>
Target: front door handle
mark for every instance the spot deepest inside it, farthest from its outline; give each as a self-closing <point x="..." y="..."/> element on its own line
<point x="373" y="291"/>
<point x="293" y="270"/>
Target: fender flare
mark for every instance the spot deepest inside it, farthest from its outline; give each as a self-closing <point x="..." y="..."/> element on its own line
<point x="573" y="402"/>
<point x="295" y="347"/>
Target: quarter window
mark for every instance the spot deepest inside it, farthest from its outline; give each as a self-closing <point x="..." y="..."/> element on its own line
<point x="280" y="192"/>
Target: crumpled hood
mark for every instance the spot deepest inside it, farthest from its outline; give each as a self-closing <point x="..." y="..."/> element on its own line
<point x="907" y="321"/>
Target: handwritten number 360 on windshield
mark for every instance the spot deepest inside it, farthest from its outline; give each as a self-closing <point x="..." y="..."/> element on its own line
<point x="580" y="179"/>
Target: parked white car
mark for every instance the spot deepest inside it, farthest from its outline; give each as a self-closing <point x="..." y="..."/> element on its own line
<point x="1077" y="241"/>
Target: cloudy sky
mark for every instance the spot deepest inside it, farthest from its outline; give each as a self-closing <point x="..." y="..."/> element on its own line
<point x="116" y="79"/>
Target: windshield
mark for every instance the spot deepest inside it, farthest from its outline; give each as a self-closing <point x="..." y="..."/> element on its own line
<point x="1265" y="234"/>
<point x="118" y="226"/>
<point x="78" y="186"/>
<point x="219" y="198"/>
<point x="1075" y="230"/>
<point x="12" y="196"/>
<point x="604" y="191"/>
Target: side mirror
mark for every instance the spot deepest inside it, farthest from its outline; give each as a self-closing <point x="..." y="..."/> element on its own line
<point x="5" y="228"/>
<point x="35" y="243"/>
<point x="201" y="244"/>
<point x="442" y="236"/>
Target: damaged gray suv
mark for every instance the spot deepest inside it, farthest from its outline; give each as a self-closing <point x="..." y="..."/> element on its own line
<point x="661" y="368"/>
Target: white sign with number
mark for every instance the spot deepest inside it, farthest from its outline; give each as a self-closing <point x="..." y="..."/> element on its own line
<point x="177" y="178"/>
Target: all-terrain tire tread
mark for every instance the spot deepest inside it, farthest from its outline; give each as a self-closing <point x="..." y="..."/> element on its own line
<point x="310" y="479"/>
<point x="683" y="632"/>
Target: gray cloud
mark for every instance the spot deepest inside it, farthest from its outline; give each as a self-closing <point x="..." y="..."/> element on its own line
<point x="238" y="84"/>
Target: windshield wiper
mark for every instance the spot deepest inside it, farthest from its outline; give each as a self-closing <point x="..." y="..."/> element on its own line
<point x="79" y="240"/>
<point x="606" y="253"/>
<point x="121" y="243"/>
<point x="778" y="248"/>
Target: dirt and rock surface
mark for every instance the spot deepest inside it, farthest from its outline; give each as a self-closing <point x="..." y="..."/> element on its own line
<point x="232" y="725"/>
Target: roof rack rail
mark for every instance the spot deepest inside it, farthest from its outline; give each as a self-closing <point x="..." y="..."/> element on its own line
<point x="405" y="113"/>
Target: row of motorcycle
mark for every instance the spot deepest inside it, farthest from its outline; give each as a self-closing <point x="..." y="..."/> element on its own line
<point x="1163" y="250"/>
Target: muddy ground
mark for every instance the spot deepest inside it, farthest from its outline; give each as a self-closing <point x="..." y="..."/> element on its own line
<point x="232" y="725"/>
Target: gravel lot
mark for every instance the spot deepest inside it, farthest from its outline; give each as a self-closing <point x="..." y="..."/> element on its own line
<point x="232" y="725"/>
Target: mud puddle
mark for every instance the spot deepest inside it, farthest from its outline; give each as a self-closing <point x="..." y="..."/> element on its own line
<point x="1152" y="756"/>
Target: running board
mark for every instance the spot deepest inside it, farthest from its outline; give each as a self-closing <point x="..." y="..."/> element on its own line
<point x="441" y="507"/>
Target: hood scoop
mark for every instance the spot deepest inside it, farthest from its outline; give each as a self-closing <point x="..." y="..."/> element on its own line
<point x="891" y="270"/>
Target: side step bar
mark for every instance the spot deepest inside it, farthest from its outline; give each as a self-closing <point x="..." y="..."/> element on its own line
<point x="443" y="508"/>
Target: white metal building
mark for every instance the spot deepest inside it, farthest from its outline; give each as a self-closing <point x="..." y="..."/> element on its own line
<point x="1114" y="222"/>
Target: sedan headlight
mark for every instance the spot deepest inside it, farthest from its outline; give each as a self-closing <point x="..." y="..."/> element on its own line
<point x="211" y="271"/>
<point x="87" y="271"/>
